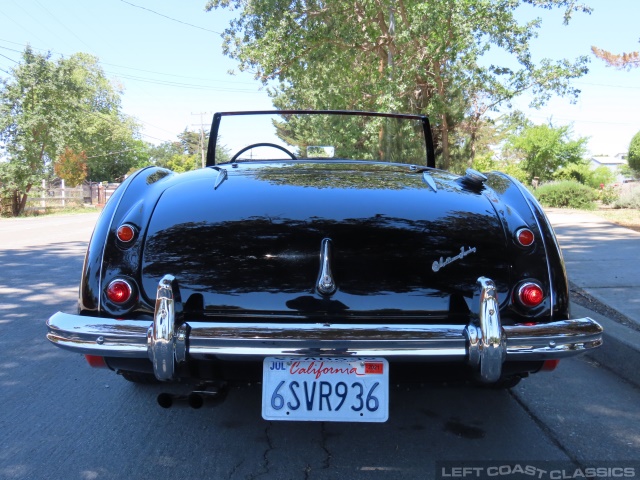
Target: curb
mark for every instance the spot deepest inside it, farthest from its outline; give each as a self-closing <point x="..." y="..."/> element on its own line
<point x="620" y="348"/>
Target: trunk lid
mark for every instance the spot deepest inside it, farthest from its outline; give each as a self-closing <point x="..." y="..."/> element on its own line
<point x="246" y="244"/>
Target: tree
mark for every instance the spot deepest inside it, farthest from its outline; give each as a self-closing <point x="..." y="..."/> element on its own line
<point x="620" y="61"/>
<point x="161" y="154"/>
<point x="71" y="167"/>
<point x="47" y="106"/>
<point x="540" y="150"/>
<point x="116" y="157"/>
<point x="413" y="56"/>
<point x="633" y="158"/>
<point x="581" y="172"/>
<point x="185" y="153"/>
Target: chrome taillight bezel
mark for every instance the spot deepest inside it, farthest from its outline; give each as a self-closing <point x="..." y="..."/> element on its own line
<point x="129" y="288"/>
<point x="520" y="296"/>
<point x="525" y="232"/>
<point x="130" y="236"/>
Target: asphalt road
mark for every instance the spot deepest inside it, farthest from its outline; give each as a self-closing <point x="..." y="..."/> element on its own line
<point x="60" y="419"/>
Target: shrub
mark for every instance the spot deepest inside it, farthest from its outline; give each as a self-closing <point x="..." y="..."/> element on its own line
<point x="484" y="163"/>
<point x="515" y="171"/>
<point x="629" y="197"/>
<point x="582" y="173"/>
<point x="601" y="176"/>
<point x="578" y="172"/>
<point x="567" y="194"/>
<point x="634" y="153"/>
<point x="607" y="195"/>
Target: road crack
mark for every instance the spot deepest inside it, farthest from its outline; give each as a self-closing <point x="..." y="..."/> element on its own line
<point x="547" y="431"/>
<point x="265" y="455"/>
<point x="326" y="463"/>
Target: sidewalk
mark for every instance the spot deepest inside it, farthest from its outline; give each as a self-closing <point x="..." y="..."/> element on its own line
<point x="603" y="259"/>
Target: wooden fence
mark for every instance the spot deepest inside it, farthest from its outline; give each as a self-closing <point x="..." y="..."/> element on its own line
<point x="54" y="195"/>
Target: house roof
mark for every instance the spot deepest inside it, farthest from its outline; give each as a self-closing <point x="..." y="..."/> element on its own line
<point x="607" y="160"/>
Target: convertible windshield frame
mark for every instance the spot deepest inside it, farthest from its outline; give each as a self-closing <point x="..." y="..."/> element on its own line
<point x="423" y="119"/>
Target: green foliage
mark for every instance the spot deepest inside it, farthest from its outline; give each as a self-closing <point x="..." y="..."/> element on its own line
<point x="601" y="176"/>
<point x="582" y="173"/>
<point x="184" y="154"/>
<point x="607" y="195"/>
<point x="47" y="106"/>
<point x="183" y="163"/>
<point x="578" y="172"/>
<point x="485" y="163"/>
<point x="161" y="154"/>
<point x="634" y="154"/>
<point x="516" y="172"/>
<point x="116" y="151"/>
<point x="629" y="197"/>
<point x="627" y="172"/>
<point x="414" y="56"/>
<point x="543" y="149"/>
<point x="566" y="194"/>
<point x="191" y="141"/>
<point x="356" y="137"/>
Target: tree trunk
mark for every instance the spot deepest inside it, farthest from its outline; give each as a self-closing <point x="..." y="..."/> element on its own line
<point x="19" y="201"/>
<point x="445" y="143"/>
<point x="445" y="124"/>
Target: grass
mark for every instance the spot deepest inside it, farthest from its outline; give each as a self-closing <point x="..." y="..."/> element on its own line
<point x="625" y="217"/>
<point x="70" y="210"/>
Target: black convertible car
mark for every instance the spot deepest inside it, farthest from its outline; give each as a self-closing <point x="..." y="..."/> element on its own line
<point x="323" y="254"/>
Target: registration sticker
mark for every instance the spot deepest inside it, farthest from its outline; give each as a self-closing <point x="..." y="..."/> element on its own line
<point x="325" y="389"/>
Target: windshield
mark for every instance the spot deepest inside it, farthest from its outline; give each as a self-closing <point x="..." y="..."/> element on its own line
<point x="286" y="135"/>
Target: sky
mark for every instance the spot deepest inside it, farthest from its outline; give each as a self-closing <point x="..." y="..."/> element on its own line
<point x="167" y="56"/>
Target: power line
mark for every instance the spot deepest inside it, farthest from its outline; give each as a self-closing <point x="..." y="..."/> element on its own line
<point x="63" y="25"/>
<point x="152" y="125"/>
<point x="193" y="86"/>
<point x="8" y="58"/>
<point x="108" y="154"/>
<point x="174" y="75"/>
<point x="14" y="50"/>
<point x="153" y="80"/>
<point x="20" y="25"/>
<point x="606" y="85"/>
<point x="170" y="18"/>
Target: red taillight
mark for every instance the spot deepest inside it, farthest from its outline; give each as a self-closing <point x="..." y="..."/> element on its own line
<point x="96" y="361"/>
<point x="119" y="291"/>
<point x="530" y="294"/>
<point x="126" y="233"/>
<point x="525" y="237"/>
<point x="549" y="365"/>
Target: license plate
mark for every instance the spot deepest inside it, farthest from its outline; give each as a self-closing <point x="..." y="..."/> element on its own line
<point x="325" y="389"/>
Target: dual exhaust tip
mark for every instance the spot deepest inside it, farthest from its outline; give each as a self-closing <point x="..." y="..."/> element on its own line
<point x="195" y="399"/>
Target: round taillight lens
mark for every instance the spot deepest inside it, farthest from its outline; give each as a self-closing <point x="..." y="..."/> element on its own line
<point x="525" y="237"/>
<point x="126" y="233"/>
<point x="530" y="294"/>
<point x="119" y="291"/>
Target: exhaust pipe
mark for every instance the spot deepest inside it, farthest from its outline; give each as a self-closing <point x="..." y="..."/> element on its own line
<point x="167" y="400"/>
<point x="197" y="398"/>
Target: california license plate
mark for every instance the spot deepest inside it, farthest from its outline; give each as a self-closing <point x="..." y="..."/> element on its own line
<point x="325" y="389"/>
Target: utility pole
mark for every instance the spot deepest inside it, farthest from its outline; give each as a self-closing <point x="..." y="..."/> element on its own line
<point x="201" y="124"/>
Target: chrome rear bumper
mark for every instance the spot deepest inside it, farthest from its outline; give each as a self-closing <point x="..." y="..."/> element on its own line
<point x="484" y="343"/>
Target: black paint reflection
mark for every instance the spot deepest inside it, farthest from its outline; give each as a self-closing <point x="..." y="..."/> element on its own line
<point x="381" y="263"/>
<point x="157" y="175"/>
<point x="337" y="175"/>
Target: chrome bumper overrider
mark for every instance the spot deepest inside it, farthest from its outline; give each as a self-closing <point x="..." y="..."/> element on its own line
<point x="484" y="343"/>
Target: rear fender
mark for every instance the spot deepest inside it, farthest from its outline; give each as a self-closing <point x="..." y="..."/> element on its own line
<point x="132" y="202"/>
<point x="545" y="261"/>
